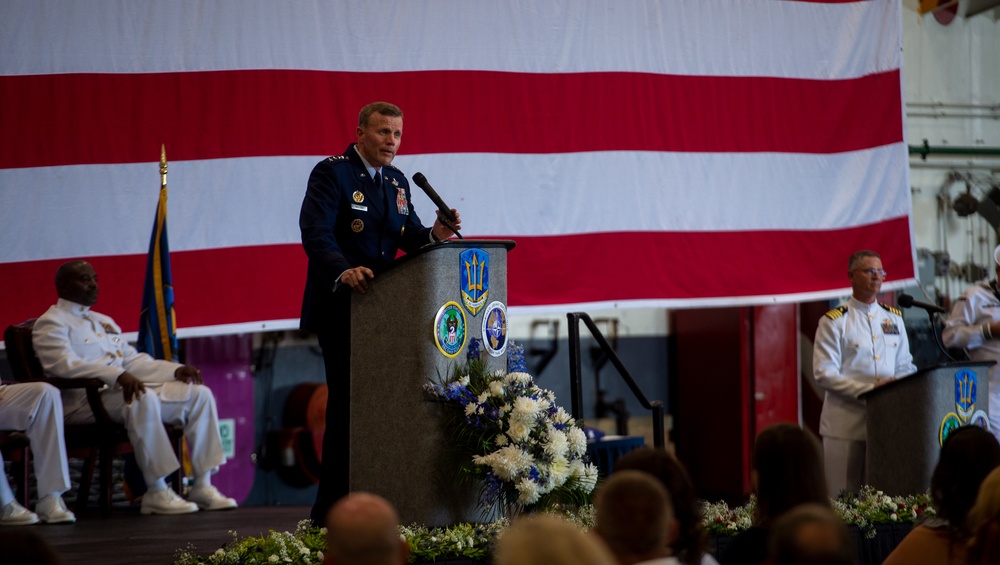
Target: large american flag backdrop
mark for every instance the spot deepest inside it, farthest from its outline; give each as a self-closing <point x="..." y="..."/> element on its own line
<point x="640" y="153"/>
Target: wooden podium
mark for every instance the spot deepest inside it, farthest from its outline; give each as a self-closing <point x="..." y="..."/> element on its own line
<point x="909" y="418"/>
<point x="398" y="446"/>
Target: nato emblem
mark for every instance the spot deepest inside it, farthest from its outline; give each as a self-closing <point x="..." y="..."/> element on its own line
<point x="495" y="328"/>
<point x="449" y="329"/>
<point x="474" y="267"/>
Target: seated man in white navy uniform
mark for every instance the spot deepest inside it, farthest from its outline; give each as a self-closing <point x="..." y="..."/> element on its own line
<point x="37" y="409"/>
<point x="73" y="341"/>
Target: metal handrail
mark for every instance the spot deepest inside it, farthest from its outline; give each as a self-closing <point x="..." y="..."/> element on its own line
<point x="575" y="374"/>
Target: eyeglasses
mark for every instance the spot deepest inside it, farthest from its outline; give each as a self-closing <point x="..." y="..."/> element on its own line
<point x="872" y="272"/>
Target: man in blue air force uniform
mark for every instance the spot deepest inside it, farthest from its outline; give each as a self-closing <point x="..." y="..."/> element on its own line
<point x="357" y="213"/>
<point x="859" y="346"/>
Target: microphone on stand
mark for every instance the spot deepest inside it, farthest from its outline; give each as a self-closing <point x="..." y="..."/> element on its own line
<point x="906" y="301"/>
<point x="447" y="215"/>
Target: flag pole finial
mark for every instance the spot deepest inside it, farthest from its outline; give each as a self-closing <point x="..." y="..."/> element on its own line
<point x="163" y="165"/>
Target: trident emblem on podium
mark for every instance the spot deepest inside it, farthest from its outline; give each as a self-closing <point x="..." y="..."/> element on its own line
<point x="965" y="406"/>
<point x="474" y="265"/>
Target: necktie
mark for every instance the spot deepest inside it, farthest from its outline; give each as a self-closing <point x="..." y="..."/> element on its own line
<point x="378" y="188"/>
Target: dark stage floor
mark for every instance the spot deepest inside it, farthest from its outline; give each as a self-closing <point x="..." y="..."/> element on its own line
<point x="127" y="537"/>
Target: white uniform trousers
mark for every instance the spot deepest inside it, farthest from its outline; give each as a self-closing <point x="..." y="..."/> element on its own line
<point x="174" y="403"/>
<point x="844" y="464"/>
<point x="36" y="408"/>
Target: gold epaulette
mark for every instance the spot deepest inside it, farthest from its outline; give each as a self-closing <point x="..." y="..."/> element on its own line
<point x="892" y="309"/>
<point x="836" y="312"/>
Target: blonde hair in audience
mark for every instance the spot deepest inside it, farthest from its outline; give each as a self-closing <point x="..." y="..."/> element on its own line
<point x="545" y="539"/>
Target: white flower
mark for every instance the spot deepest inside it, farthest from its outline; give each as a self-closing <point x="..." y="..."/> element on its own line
<point x="577" y="442"/>
<point x="496" y="388"/>
<point x="321" y="557"/>
<point x="556" y="443"/>
<point x="559" y="471"/>
<point x="518" y="431"/>
<point x="561" y="416"/>
<point x="517" y="378"/>
<point x="501" y="440"/>
<point x="470" y="409"/>
<point x="483" y="397"/>
<point x="219" y="552"/>
<point x="585" y="474"/>
<point x="273" y="559"/>
<point x="464" y="381"/>
<point x="506" y="462"/>
<point x="527" y="492"/>
<point x="525" y="409"/>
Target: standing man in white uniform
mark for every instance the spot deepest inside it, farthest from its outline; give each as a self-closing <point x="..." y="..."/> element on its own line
<point x="974" y="325"/>
<point x="859" y="345"/>
<point x="73" y="341"/>
<point x="37" y="409"/>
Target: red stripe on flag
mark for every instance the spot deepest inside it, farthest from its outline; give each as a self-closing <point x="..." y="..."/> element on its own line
<point x="124" y="118"/>
<point x="696" y="265"/>
<point x="244" y="284"/>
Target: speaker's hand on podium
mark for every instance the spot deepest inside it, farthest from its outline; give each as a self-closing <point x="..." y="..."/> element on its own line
<point x="357" y="278"/>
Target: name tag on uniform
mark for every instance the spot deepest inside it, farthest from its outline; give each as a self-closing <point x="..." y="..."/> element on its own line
<point x="359" y="207"/>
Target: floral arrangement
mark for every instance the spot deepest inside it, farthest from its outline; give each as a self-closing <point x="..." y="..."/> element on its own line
<point x="509" y="434"/>
<point x="304" y="547"/>
<point x="866" y="509"/>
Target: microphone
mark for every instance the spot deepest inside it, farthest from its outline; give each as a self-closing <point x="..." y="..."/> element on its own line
<point x="421" y="181"/>
<point x="905" y="300"/>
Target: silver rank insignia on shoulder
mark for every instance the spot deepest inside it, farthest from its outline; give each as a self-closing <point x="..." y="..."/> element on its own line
<point x="337" y="158"/>
<point x="357" y="226"/>
<point x="358" y="196"/>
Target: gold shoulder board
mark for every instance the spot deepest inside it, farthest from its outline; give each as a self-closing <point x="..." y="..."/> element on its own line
<point x="892" y="309"/>
<point x="836" y="312"/>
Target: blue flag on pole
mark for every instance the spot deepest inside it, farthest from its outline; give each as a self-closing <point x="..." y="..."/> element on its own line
<point x="157" y="324"/>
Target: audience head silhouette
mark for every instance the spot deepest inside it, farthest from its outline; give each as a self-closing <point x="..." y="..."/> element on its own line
<point x="691" y="542"/>
<point x="545" y="539"/>
<point x="787" y="471"/>
<point x="363" y="529"/>
<point x="811" y="534"/>
<point x="984" y="523"/>
<point x="635" y="517"/>
<point x="967" y="456"/>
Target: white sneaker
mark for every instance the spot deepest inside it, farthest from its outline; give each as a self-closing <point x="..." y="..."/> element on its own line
<point x="16" y="515"/>
<point x="209" y="498"/>
<point x="52" y="510"/>
<point x="165" y="501"/>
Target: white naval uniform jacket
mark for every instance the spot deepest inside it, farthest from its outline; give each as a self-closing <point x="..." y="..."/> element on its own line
<point x="965" y="328"/>
<point x="857" y="345"/>
<point x="73" y="341"/>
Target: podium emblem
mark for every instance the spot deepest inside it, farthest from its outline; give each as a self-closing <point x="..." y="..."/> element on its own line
<point x="495" y="329"/>
<point x="474" y="270"/>
<point x="966" y="388"/>
<point x="449" y="329"/>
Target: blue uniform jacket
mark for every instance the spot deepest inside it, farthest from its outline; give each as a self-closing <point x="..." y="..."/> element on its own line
<point x="346" y="223"/>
